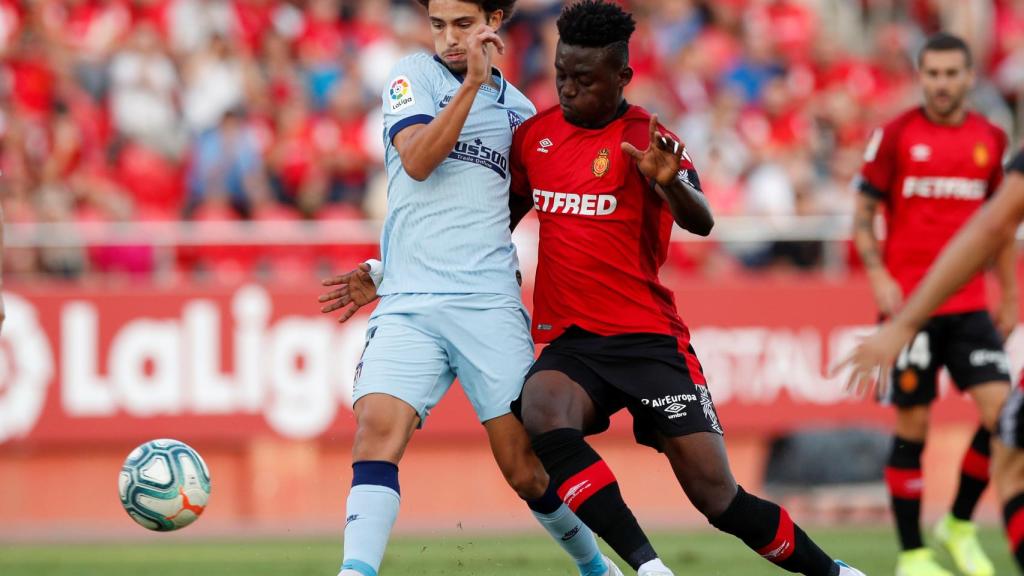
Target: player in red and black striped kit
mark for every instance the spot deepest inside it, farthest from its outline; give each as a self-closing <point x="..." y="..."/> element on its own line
<point x="966" y="255"/>
<point x="931" y="169"/>
<point x="608" y="183"/>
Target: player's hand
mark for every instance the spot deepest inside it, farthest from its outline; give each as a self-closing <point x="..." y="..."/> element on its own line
<point x="481" y="45"/>
<point x="871" y="362"/>
<point x="1007" y="316"/>
<point x="356" y="290"/>
<point x="888" y="294"/>
<point x="660" y="161"/>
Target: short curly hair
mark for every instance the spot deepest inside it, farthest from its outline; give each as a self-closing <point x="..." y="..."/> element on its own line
<point x="597" y="24"/>
<point x="489" y="6"/>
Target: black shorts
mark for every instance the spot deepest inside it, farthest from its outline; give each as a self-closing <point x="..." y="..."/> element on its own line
<point x="968" y="345"/>
<point x="1011" y="419"/>
<point x="645" y="373"/>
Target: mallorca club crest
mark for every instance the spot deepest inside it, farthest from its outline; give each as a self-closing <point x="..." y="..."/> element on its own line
<point x="602" y="162"/>
<point x="980" y="155"/>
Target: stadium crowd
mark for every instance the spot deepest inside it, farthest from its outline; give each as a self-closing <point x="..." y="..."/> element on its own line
<point x="211" y="110"/>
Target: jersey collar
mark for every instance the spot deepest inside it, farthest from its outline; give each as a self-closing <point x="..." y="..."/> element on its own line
<point x="502" y="84"/>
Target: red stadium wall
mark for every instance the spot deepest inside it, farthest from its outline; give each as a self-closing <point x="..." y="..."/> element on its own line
<point x="260" y="384"/>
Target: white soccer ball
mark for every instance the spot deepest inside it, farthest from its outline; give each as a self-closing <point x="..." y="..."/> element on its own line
<point x="164" y="485"/>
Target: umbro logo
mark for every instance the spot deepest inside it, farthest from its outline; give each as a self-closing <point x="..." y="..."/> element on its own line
<point x="778" y="551"/>
<point x="921" y="152"/>
<point x="544" y="145"/>
<point x="675" y="408"/>
<point x="575" y="491"/>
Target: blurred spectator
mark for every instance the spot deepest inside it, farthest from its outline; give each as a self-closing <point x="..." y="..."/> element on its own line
<point x="227" y="168"/>
<point x="214" y="83"/>
<point x="144" y="93"/>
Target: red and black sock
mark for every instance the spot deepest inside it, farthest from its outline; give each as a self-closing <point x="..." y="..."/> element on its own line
<point x="974" y="475"/>
<point x="906" y="484"/>
<point x="767" y="529"/>
<point x="588" y="488"/>
<point x="1013" y="515"/>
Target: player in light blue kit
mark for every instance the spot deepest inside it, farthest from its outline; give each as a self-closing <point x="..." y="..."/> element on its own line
<point x="451" y="304"/>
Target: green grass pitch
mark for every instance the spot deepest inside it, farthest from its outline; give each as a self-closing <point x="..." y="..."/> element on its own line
<point x="689" y="553"/>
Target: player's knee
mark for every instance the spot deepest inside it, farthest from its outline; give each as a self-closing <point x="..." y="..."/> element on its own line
<point x="542" y="417"/>
<point x="713" y="496"/>
<point x="990" y="416"/>
<point x="912" y="423"/>
<point x="528" y="482"/>
<point x="1008" y="472"/>
<point x="379" y="437"/>
<point x="540" y="421"/>
<point x="549" y="404"/>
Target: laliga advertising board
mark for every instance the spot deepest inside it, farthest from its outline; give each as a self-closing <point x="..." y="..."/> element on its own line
<point x="85" y="366"/>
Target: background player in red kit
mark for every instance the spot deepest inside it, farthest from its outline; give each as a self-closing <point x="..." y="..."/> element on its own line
<point x="931" y="169"/>
<point x="608" y="185"/>
<point x="962" y="259"/>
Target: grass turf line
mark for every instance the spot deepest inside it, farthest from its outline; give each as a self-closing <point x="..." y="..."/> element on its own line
<point x="872" y="550"/>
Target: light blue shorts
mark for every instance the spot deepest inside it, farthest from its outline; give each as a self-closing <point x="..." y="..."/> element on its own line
<point x="417" y="344"/>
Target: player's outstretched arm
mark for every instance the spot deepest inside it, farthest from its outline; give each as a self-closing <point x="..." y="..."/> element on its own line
<point x="966" y="255"/>
<point x="423" y="147"/>
<point x="356" y="290"/>
<point x="660" y="162"/>
<point x="1009" y="303"/>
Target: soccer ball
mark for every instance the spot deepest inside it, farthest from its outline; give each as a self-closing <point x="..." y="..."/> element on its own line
<point x="164" y="485"/>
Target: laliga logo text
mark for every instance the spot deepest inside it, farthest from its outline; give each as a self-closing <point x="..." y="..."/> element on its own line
<point x="26" y="369"/>
<point x="295" y="371"/>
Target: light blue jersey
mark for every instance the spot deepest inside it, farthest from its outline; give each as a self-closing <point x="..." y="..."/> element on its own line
<point x="450" y="304"/>
<point x="450" y="233"/>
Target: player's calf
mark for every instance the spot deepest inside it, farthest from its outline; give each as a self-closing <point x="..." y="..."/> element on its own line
<point x="525" y="474"/>
<point x="1013" y="515"/>
<point x="369" y="516"/>
<point x="588" y="487"/>
<point x="1008" y="470"/>
<point x="384" y="425"/>
<point x="974" y="474"/>
<point x="767" y="529"/>
<point x="701" y="465"/>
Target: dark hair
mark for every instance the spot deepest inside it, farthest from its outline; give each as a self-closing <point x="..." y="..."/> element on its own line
<point x="597" y="24"/>
<point x="488" y="6"/>
<point x="945" y="42"/>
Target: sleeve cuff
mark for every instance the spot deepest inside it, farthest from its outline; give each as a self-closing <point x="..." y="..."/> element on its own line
<point x="406" y="122"/>
<point x="868" y="189"/>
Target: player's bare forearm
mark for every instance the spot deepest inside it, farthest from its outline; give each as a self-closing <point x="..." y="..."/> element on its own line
<point x="969" y="252"/>
<point x="689" y="206"/>
<point x="864" y="237"/>
<point x="1006" y="269"/>
<point x="423" y="147"/>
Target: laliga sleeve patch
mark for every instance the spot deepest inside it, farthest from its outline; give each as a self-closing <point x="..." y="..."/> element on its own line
<point x="400" y="93"/>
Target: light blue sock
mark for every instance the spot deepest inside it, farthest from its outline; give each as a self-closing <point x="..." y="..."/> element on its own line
<point x="573" y="535"/>
<point x="371" y="512"/>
